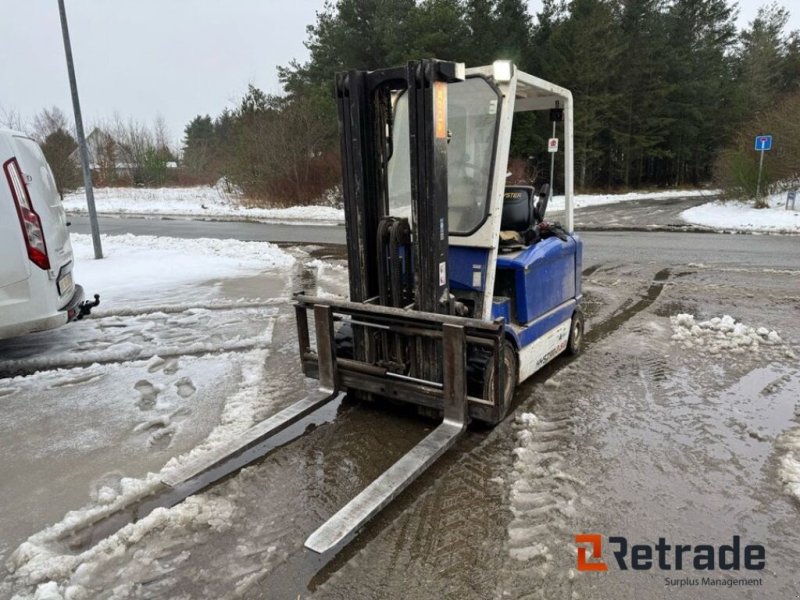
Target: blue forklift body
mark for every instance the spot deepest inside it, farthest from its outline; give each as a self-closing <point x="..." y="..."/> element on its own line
<point x="535" y="288"/>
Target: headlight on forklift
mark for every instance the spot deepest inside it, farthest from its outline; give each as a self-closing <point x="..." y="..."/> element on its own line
<point x="502" y="70"/>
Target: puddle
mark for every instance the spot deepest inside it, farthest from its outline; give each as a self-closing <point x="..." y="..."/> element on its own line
<point x="687" y="453"/>
<point x="263" y="285"/>
<point x="165" y="497"/>
<point x="672" y="308"/>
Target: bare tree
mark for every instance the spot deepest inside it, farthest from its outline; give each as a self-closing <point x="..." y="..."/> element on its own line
<point x="49" y="121"/>
<point x="12" y="119"/>
<point x="143" y="151"/>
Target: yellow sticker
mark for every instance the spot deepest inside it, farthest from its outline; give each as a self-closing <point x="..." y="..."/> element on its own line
<point x="440" y="109"/>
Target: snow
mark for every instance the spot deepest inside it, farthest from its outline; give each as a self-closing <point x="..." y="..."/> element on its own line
<point x="789" y="462"/>
<point x="724" y="334"/>
<point x="136" y="266"/>
<point x="41" y="561"/>
<point x="330" y="278"/>
<point x="557" y="203"/>
<point x="46" y="568"/>
<point x="741" y="216"/>
<point x="166" y="406"/>
<point x="216" y="203"/>
<point x="201" y="201"/>
<point x="534" y="495"/>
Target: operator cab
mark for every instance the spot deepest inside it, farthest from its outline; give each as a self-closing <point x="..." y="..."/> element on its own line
<point x="503" y="259"/>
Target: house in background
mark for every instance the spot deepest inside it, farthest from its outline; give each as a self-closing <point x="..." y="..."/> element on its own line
<point x="112" y="162"/>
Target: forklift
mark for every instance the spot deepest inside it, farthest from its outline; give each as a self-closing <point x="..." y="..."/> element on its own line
<point x="459" y="288"/>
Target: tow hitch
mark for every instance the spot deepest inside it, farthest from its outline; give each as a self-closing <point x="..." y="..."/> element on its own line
<point x="85" y="307"/>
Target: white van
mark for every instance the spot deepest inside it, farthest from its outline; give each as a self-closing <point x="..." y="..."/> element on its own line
<point x="37" y="291"/>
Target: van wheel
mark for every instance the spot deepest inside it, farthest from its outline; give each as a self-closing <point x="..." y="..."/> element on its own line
<point x="575" y="342"/>
<point x="510" y="373"/>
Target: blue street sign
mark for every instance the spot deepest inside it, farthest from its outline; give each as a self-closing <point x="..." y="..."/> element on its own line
<point x="763" y="143"/>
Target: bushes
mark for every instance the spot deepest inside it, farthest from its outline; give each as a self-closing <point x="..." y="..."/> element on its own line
<point x="736" y="169"/>
<point x="276" y="149"/>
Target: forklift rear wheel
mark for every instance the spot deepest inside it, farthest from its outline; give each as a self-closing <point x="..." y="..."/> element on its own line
<point x="575" y="343"/>
<point x="510" y="366"/>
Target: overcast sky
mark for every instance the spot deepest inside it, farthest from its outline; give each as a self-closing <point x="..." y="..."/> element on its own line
<point x="173" y="58"/>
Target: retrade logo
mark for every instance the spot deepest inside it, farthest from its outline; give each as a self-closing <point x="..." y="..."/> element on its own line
<point x="665" y="556"/>
<point x="595" y="541"/>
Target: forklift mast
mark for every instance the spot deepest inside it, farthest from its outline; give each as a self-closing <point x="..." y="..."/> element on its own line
<point x="416" y="272"/>
<point x="364" y="103"/>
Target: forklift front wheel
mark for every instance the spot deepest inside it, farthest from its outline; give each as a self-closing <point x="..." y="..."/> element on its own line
<point x="575" y="343"/>
<point x="510" y="366"/>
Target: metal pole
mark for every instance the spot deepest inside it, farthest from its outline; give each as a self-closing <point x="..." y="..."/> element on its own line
<point x="760" y="166"/>
<point x="552" y="166"/>
<point x="569" y="163"/>
<point x="76" y="105"/>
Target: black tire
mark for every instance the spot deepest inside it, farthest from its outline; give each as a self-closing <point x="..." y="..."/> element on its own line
<point x="343" y="341"/>
<point x="510" y="373"/>
<point x="576" y="331"/>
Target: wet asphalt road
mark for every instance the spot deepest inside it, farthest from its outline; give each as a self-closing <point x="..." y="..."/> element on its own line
<point x="637" y="215"/>
<point x="235" y="230"/>
<point x="769" y="251"/>
<point x="639" y="437"/>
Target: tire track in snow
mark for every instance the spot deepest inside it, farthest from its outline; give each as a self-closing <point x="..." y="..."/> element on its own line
<point x="170" y="309"/>
<point x="115" y="339"/>
<point x="542" y="500"/>
<point x="24" y="368"/>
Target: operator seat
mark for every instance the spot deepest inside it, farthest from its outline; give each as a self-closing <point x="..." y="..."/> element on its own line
<point x="522" y="215"/>
<point x="518" y="217"/>
<point x="518" y="208"/>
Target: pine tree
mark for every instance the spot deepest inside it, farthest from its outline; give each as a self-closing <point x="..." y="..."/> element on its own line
<point x="639" y="120"/>
<point x="199" y="144"/>
<point x="762" y="59"/>
<point x="482" y="34"/>
<point x="352" y="34"/>
<point x="581" y="55"/>
<point x="701" y="33"/>
<point x="439" y="31"/>
<point x="57" y="148"/>
<point x="513" y="31"/>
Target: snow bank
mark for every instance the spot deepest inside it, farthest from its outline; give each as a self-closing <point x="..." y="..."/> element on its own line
<point x="139" y="265"/>
<point x="741" y="216"/>
<point x="789" y="462"/>
<point x="724" y="334"/>
<point x="194" y="331"/>
<point x="538" y="500"/>
<point x="45" y="569"/>
<point x="204" y="201"/>
<point x="216" y="203"/>
<point x="557" y="203"/>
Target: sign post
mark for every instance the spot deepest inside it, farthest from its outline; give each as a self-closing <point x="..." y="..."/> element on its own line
<point x="763" y="144"/>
